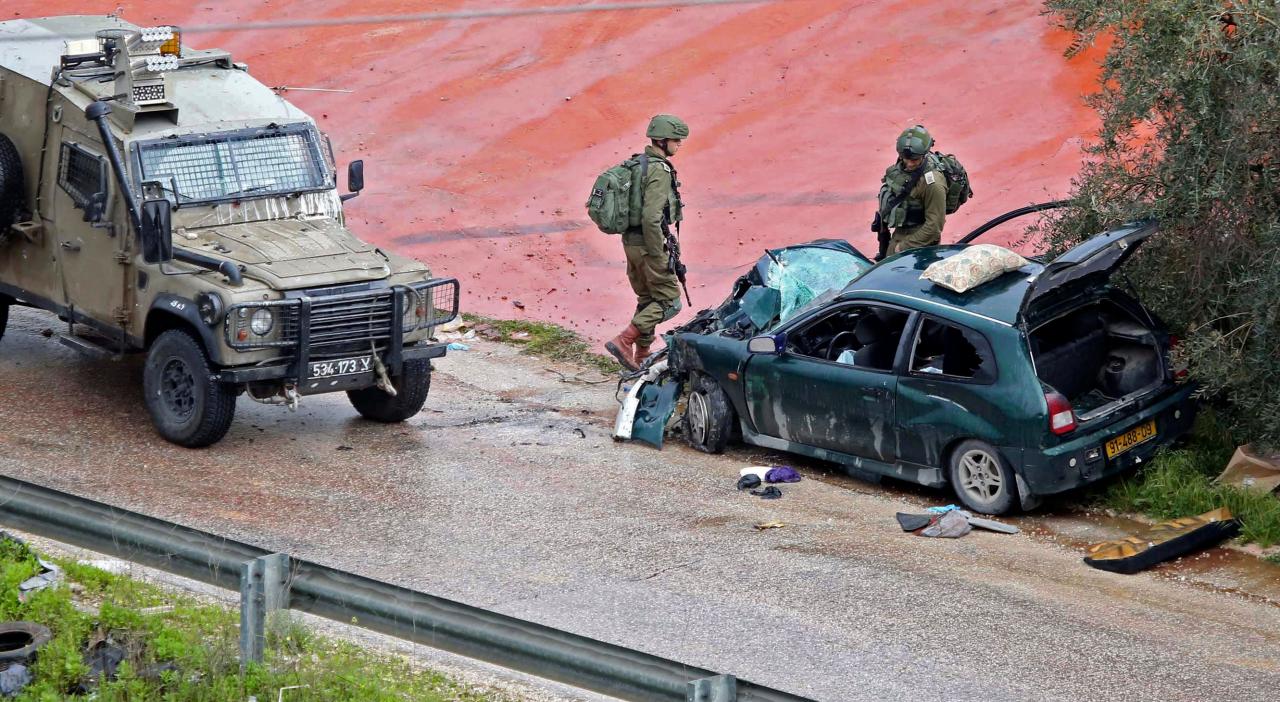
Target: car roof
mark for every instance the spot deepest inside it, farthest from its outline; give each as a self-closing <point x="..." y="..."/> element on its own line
<point x="898" y="279"/>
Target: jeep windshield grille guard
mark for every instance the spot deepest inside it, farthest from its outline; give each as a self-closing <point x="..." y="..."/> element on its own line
<point x="225" y="166"/>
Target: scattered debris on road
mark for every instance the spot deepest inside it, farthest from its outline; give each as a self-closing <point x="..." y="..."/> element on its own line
<point x="932" y="524"/>
<point x="1163" y="541"/>
<point x="762" y="526"/>
<point x="768" y="493"/>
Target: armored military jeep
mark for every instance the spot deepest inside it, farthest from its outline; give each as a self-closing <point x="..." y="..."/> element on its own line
<point x="159" y="199"/>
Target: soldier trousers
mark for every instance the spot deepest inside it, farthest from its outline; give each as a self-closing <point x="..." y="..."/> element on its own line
<point x="657" y="291"/>
<point x="904" y="239"/>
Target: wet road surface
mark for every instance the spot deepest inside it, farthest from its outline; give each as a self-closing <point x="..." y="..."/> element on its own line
<point x="508" y="493"/>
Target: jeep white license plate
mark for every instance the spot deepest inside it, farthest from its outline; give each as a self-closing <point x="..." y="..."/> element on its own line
<point x="340" y="366"/>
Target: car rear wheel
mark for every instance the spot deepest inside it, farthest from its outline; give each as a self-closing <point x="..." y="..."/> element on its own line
<point x="4" y="315"/>
<point x="188" y="404"/>
<point x="708" y="418"/>
<point x="982" y="479"/>
<point x="412" y="386"/>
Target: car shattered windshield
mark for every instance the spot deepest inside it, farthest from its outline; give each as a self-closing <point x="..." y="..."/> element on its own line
<point x="802" y="274"/>
<point x="227" y="166"/>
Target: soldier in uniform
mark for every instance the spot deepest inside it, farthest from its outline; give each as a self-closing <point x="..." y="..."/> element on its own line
<point x="649" y="266"/>
<point x="913" y="196"/>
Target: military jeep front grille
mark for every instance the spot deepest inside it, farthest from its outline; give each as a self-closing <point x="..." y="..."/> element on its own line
<point x="339" y="322"/>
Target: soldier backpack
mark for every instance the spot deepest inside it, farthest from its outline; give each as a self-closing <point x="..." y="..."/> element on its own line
<point x="614" y="203"/>
<point x="958" y="190"/>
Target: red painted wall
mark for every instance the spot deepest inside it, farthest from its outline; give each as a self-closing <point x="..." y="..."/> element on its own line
<point x="482" y="137"/>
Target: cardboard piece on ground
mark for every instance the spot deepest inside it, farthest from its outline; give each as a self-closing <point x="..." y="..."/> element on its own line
<point x="1249" y="469"/>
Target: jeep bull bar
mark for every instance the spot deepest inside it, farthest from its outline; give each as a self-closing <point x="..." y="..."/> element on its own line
<point x="336" y="338"/>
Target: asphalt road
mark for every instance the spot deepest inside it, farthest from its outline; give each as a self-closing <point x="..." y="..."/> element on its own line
<point x="508" y="493"/>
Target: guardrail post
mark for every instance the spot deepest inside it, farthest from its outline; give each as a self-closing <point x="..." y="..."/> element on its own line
<point x="721" y="688"/>
<point x="264" y="587"/>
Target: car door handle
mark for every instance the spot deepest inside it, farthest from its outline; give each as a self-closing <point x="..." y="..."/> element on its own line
<point x="875" y="393"/>
<point x="70" y="246"/>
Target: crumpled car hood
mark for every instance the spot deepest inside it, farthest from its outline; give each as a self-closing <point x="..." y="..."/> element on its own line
<point x="291" y="253"/>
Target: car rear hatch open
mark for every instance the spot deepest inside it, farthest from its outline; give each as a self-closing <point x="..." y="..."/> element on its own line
<point x="1099" y="351"/>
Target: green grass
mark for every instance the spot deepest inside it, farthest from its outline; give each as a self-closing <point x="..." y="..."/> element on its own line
<point x="544" y="340"/>
<point x="1179" y="482"/>
<point x="188" y="651"/>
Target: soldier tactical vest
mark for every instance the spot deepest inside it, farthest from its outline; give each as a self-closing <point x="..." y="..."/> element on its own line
<point x="898" y="209"/>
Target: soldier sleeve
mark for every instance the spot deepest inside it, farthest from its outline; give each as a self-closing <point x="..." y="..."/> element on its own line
<point x="656" y="191"/>
<point x="935" y="209"/>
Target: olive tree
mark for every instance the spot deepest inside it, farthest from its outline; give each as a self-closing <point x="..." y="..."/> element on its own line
<point x="1189" y="104"/>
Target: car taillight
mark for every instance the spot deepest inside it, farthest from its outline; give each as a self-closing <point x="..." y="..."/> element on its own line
<point x="1062" y="419"/>
<point x="1180" y="372"/>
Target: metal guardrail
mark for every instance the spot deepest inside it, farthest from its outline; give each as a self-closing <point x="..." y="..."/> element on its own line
<point x="267" y="581"/>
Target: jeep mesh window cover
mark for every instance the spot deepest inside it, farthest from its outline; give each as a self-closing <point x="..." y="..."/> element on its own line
<point x="244" y="164"/>
<point x="81" y="173"/>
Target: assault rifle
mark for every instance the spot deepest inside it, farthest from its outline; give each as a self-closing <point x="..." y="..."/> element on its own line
<point x="882" y="234"/>
<point x="673" y="259"/>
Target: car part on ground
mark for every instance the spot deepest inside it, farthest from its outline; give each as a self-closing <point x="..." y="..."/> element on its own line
<point x="1163" y="541"/>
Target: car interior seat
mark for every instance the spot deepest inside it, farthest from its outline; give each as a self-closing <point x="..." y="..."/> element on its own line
<point x="877" y="344"/>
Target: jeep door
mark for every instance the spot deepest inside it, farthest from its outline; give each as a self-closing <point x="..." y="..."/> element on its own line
<point x="94" y="271"/>
<point x="834" y="387"/>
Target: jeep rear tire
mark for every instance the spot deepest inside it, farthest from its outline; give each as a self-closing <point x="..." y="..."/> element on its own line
<point x="708" y="417"/>
<point x="188" y="404"/>
<point x="12" y="191"/>
<point x="982" y="479"/>
<point x="412" y="386"/>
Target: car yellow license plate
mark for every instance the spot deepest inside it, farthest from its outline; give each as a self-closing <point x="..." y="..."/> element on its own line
<point x="1131" y="438"/>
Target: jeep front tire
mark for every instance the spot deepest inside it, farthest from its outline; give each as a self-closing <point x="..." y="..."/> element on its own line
<point x="188" y="404"/>
<point x="412" y="386"/>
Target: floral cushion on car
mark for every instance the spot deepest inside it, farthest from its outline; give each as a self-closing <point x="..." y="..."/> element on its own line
<point x="973" y="267"/>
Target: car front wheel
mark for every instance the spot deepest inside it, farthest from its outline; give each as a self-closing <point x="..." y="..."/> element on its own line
<point x="412" y="386"/>
<point x="708" y="418"/>
<point x="982" y="479"/>
<point x="188" y="404"/>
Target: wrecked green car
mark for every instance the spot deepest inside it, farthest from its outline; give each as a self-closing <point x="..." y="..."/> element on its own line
<point x="1039" y="381"/>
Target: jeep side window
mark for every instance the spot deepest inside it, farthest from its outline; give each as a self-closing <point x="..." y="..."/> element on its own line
<point x="950" y="351"/>
<point x="81" y="173"/>
<point x="865" y="336"/>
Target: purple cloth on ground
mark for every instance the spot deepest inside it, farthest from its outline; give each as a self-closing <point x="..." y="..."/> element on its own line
<point x="782" y="474"/>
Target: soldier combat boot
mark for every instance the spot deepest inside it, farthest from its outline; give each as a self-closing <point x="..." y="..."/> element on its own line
<point x="623" y="347"/>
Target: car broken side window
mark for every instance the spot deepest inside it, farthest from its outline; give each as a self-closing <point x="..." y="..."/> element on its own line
<point x="951" y="351"/>
<point x="865" y="336"/>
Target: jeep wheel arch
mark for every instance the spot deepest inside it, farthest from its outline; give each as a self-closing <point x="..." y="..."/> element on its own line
<point x="175" y="312"/>
<point x="12" y="186"/>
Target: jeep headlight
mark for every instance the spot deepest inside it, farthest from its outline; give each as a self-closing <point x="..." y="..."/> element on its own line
<point x="262" y="321"/>
<point x="415" y="309"/>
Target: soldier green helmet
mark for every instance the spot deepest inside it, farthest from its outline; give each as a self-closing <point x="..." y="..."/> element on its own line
<point x="667" y="127"/>
<point x="914" y="142"/>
